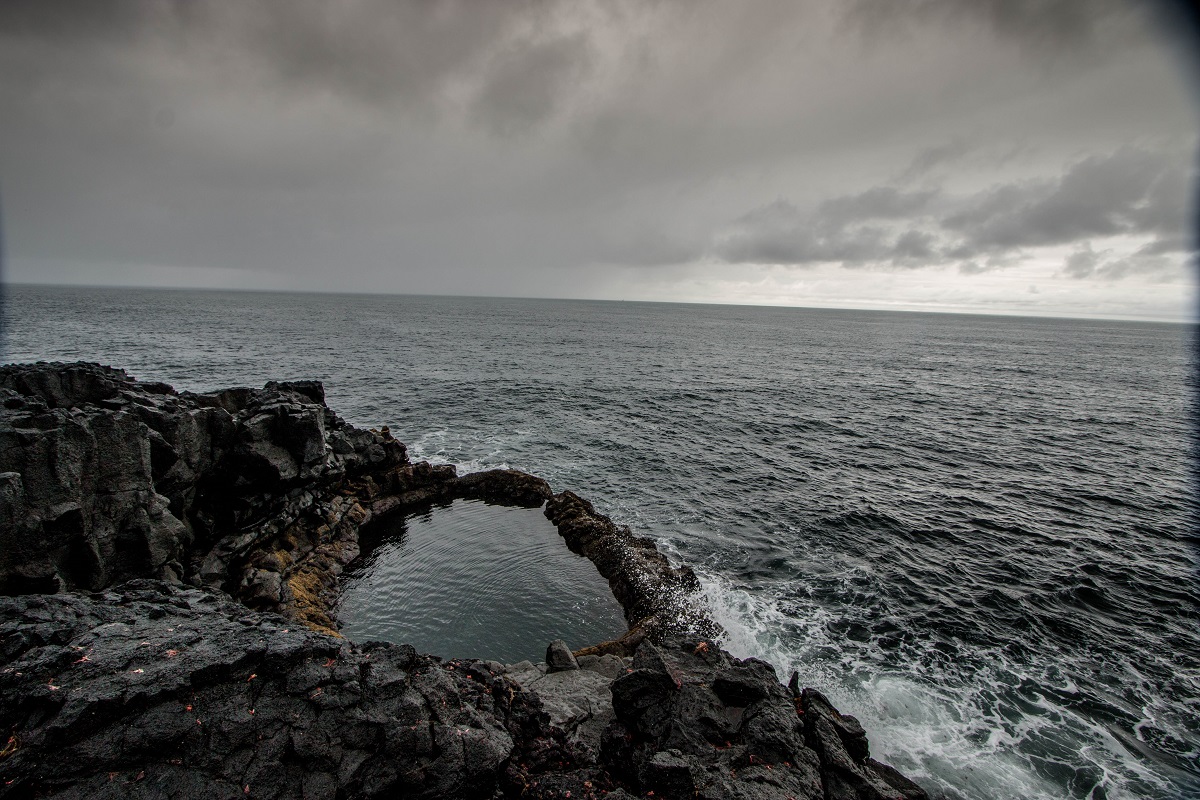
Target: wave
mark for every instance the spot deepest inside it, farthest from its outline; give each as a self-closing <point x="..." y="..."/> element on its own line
<point x="975" y="723"/>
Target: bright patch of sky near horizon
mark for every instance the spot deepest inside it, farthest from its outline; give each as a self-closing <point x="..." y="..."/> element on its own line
<point x="1003" y="155"/>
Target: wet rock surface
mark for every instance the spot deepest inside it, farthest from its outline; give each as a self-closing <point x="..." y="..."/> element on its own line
<point x="170" y="560"/>
<point x="658" y="598"/>
<point x="158" y="690"/>
<point x="258" y="492"/>
<point x="153" y="690"/>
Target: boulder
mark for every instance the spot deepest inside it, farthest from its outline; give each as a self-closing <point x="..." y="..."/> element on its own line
<point x="847" y="769"/>
<point x="559" y="657"/>
<point x="679" y="737"/>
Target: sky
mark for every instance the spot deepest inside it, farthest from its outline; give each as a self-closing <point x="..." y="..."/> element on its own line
<point x="1007" y="156"/>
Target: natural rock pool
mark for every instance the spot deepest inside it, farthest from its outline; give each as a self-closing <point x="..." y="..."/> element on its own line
<point x="474" y="580"/>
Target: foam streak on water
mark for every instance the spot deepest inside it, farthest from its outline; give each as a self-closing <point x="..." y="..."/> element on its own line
<point x="976" y="533"/>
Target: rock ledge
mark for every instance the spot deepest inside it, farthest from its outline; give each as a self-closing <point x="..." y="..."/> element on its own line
<point x="170" y="561"/>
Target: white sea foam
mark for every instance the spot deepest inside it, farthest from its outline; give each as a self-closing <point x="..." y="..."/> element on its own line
<point x="440" y="447"/>
<point x="947" y="735"/>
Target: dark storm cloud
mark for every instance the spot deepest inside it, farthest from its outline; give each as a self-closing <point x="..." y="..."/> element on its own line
<point x="881" y="202"/>
<point x="526" y="82"/>
<point x="378" y="52"/>
<point x="1167" y="245"/>
<point x="1131" y="191"/>
<point x="1082" y="263"/>
<point x="915" y="246"/>
<point x="396" y="53"/>
<point x="276" y="137"/>
<point x="56" y="20"/>
<point x="1047" y="25"/>
<point x="844" y="230"/>
<point x="1087" y="263"/>
<point x="972" y="268"/>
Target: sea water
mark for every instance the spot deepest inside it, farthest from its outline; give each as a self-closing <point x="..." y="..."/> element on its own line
<point x="977" y="534"/>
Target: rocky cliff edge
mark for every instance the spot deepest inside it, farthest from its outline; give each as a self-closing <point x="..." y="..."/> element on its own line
<point x="170" y="562"/>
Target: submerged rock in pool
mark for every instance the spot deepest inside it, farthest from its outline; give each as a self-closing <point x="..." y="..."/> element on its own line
<point x="225" y="675"/>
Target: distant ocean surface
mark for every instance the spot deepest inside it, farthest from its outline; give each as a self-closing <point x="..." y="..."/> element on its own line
<point x="977" y="534"/>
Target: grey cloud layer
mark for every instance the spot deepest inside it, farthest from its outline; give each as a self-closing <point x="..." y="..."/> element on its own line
<point x="1131" y="191"/>
<point x="1035" y="24"/>
<point x="522" y="146"/>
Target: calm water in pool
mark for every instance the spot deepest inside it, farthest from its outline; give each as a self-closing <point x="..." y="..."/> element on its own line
<point x="475" y="580"/>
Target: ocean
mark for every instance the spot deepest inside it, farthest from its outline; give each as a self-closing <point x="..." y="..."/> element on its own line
<point x="978" y="534"/>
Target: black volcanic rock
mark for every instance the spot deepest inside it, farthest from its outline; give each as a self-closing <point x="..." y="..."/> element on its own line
<point x="157" y="690"/>
<point x="559" y="657"/>
<point x="171" y="560"/>
<point x="163" y="691"/>
<point x="658" y="598"/>
<point x="259" y="492"/>
<point x="692" y="721"/>
<point x="507" y="486"/>
<point x="677" y="735"/>
<point x="116" y="479"/>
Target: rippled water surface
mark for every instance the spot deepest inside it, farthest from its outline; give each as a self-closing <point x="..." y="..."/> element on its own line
<point x="975" y="533"/>
<point x="474" y="580"/>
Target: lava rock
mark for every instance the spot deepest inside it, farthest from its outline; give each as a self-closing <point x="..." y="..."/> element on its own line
<point x="505" y="486"/>
<point x="258" y="492"/>
<point x="238" y="685"/>
<point x="150" y="687"/>
<point x="658" y="598"/>
<point x="682" y="737"/>
<point x="559" y="657"/>
<point x="847" y="769"/>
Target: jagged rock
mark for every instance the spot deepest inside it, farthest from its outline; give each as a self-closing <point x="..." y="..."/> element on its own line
<point x="163" y="691"/>
<point x="578" y="703"/>
<point x="507" y="486"/>
<point x="610" y="666"/>
<point x="847" y="769"/>
<point x="261" y="586"/>
<point x="677" y="736"/>
<point x="155" y="689"/>
<point x="745" y="682"/>
<point x="259" y="492"/>
<point x="167" y="691"/>
<point x="118" y="479"/>
<point x="672" y="774"/>
<point x="658" y="598"/>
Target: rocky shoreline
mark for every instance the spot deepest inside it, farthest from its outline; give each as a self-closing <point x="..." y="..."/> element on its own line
<point x="170" y="562"/>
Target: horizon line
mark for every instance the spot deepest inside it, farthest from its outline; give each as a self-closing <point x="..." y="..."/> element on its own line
<point x="913" y="308"/>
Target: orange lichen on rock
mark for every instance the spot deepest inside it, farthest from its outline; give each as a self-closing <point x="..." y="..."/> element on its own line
<point x="308" y="605"/>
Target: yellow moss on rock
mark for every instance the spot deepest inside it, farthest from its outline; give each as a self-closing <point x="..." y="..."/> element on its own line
<point x="305" y="587"/>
